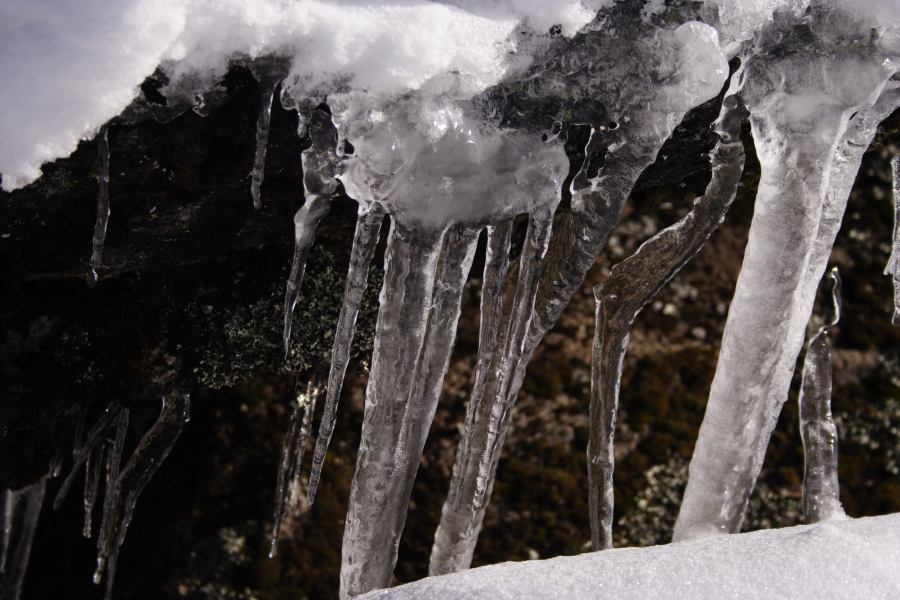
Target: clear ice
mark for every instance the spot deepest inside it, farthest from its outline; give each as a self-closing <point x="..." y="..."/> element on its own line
<point x="821" y="491"/>
<point x="633" y="283"/>
<point x="433" y="167"/>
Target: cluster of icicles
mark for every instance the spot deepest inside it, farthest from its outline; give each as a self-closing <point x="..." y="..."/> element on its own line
<point x="809" y="157"/>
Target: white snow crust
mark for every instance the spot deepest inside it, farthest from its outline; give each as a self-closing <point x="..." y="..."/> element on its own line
<point x="855" y="558"/>
<point x="68" y="66"/>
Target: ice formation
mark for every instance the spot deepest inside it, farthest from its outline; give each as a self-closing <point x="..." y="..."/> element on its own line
<point x="449" y="118"/>
<point x="124" y="484"/>
<point x="294" y="446"/>
<point x="645" y="92"/>
<point x="21" y="511"/>
<point x="821" y="491"/>
<point x="102" y="204"/>
<point x="893" y="266"/>
<point x="632" y="284"/>
<point x="808" y="86"/>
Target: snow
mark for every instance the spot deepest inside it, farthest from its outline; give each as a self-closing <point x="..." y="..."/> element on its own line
<point x="833" y="559"/>
<point x="68" y="66"/>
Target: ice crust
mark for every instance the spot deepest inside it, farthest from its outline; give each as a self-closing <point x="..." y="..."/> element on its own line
<point x="830" y="560"/>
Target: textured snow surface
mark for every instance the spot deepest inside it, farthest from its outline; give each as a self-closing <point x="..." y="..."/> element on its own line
<point x="68" y="66"/>
<point x="856" y="558"/>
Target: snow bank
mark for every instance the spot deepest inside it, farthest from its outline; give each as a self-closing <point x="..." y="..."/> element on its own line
<point x="857" y="558"/>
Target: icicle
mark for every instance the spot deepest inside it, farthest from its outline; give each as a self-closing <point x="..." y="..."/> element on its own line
<point x="496" y="266"/>
<point x="457" y="251"/>
<point x="21" y="512"/>
<point x="473" y="471"/>
<point x="631" y="285"/>
<point x="893" y="265"/>
<point x="627" y="141"/>
<point x="151" y="452"/>
<point x="521" y="312"/>
<point x="292" y="450"/>
<point x="262" y="138"/>
<point x="93" y="469"/>
<point x="320" y="163"/>
<point x="365" y="240"/>
<point x="806" y="178"/>
<point x="370" y="535"/>
<point x="94" y="438"/>
<point x="111" y="499"/>
<point x="821" y="491"/>
<point x="99" y="238"/>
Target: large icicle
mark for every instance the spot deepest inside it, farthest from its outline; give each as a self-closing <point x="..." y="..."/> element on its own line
<point x="642" y="112"/>
<point x="365" y="240"/>
<point x="150" y="453"/>
<point x="21" y="512"/>
<point x="631" y="285"/>
<point x="821" y="491"/>
<point x="893" y="265"/>
<point x="377" y="507"/>
<point x="99" y="237"/>
<point x="320" y="164"/>
<point x="809" y="153"/>
<point x="288" y="484"/>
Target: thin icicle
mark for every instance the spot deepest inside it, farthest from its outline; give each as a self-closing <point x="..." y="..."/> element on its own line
<point x="365" y="240"/>
<point x="496" y="266"/>
<point x="262" y="141"/>
<point x="111" y="499"/>
<point x="93" y="470"/>
<point x="99" y="238"/>
<point x="370" y="543"/>
<point x="631" y="285"/>
<point x="320" y="164"/>
<point x="21" y="512"/>
<point x="94" y="438"/>
<point x="268" y="71"/>
<point x="288" y="484"/>
<point x="148" y="456"/>
<point x="530" y="267"/>
<point x="893" y="265"/>
<point x="821" y="490"/>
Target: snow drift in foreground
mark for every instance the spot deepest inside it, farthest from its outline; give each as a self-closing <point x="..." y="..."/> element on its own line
<point x="833" y="559"/>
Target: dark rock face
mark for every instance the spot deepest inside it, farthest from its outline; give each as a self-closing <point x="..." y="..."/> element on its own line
<point x="189" y="299"/>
